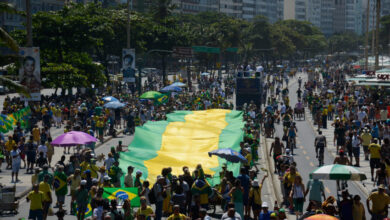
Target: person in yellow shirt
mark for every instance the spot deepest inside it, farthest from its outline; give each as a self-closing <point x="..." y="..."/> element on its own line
<point x="36" y="133"/>
<point x="35" y="198"/>
<point x="176" y="215"/>
<point x="145" y="211"/>
<point x="255" y="196"/>
<point x="366" y="141"/>
<point x="358" y="211"/>
<point x="374" y="150"/>
<point x="288" y="180"/>
<point x="9" y="145"/>
<point x="88" y="165"/>
<point x="380" y="201"/>
<point x="44" y="187"/>
<point x="34" y="177"/>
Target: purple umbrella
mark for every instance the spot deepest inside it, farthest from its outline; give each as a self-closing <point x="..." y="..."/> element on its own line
<point x="73" y="138"/>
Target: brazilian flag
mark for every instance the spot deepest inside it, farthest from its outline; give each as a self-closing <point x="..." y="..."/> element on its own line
<point x="88" y="211"/>
<point x="60" y="184"/>
<point x="161" y="100"/>
<point x="130" y="193"/>
<point x="5" y="124"/>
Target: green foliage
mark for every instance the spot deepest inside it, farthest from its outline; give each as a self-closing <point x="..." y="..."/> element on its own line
<point x="344" y="42"/>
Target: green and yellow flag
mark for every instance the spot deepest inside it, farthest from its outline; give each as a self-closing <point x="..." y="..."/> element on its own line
<point x="185" y="139"/>
<point x="130" y="193"/>
<point x="162" y="99"/>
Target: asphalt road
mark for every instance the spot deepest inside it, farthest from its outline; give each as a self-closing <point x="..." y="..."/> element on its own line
<point x="305" y="155"/>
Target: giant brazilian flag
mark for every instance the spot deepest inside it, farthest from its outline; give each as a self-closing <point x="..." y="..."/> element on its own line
<point x="185" y="139"/>
<point x="123" y="194"/>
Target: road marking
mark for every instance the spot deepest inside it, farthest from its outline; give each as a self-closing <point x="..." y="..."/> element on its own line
<point x="312" y="164"/>
<point x="304" y="152"/>
<point x="307" y="158"/>
<point x="327" y="190"/>
<point x="301" y="147"/>
<point x="298" y="141"/>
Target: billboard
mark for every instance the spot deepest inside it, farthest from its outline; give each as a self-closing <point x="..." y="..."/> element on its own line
<point x="248" y="89"/>
<point x="128" y="65"/>
<point x="30" y="72"/>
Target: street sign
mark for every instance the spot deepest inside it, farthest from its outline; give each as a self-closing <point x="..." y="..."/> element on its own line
<point x="232" y="49"/>
<point x="204" y="49"/>
<point x="184" y="52"/>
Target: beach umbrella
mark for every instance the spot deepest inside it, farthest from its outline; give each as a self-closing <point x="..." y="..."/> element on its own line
<point x="114" y="105"/>
<point x="205" y="74"/>
<point x="150" y="95"/>
<point x="338" y="172"/>
<point x="321" y="217"/>
<point x="73" y="138"/>
<point x="110" y="99"/>
<point x="178" y="84"/>
<point x="171" y="89"/>
<point x="229" y="155"/>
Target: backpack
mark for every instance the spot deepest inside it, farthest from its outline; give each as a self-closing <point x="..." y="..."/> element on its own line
<point x="321" y="142"/>
<point x="152" y="196"/>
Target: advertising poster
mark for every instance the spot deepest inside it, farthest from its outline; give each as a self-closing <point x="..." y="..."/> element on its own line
<point x="30" y="72"/>
<point x="128" y="65"/>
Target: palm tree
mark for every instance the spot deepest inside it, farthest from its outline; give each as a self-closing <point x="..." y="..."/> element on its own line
<point x="161" y="9"/>
<point x="7" y="41"/>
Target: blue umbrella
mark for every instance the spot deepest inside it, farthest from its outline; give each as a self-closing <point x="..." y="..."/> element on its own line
<point x="171" y="89"/>
<point x="178" y="84"/>
<point x="110" y="99"/>
<point x="229" y="155"/>
<point x="114" y="105"/>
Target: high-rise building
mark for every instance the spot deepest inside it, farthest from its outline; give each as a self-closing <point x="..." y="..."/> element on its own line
<point x="231" y="8"/>
<point x="271" y="9"/>
<point x="12" y="21"/>
<point x="295" y="9"/>
<point x="248" y="9"/>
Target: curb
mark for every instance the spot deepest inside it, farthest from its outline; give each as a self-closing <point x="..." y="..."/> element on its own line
<point x="25" y="192"/>
<point x="276" y="190"/>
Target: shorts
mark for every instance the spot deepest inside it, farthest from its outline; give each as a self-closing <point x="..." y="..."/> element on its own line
<point x="349" y="151"/>
<point x="73" y="192"/>
<point x="31" y="157"/>
<point x="22" y="156"/>
<point x="61" y="198"/>
<point x="356" y="151"/>
<point x="35" y="214"/>
<point x="46" y="206"/>
<point x="340" y="142"/>
<point x="15" y="167"/>
<point x="81" y="208"/>
<point x="374" y="162"/>
<point x="298" y="204"/>
<point x="256" y="207"/>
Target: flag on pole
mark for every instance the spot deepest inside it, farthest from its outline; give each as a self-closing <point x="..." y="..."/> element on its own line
<point x="162" y="99"/>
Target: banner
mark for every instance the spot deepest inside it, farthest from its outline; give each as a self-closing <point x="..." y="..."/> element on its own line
<point x="185" y="139"/>
<point x="128" y="65"/>
<point x="122" y="194"/>
<point x="161" y="100"/>
<point x="30" y="72"/>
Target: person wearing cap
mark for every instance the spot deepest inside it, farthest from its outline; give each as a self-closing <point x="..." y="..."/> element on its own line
<point x="366" y="141"/>
<point x="137" y="181"/>
<point x="60" y="185"/>
<point x="374" y="150"/>
<point x="380" y="202"/>
<point x="176" y="215"/>
<point x="74" y="180"/>
<point x="282" y="214"/>
<point x="45" y="188"/>
<point x="81" y="201"/>
<point x="144" y="211"/>
<point x="265" y="214"/>
<point x="255" y="196"/>
<point x="107" y="182"/>
<point x="35" y="198"/>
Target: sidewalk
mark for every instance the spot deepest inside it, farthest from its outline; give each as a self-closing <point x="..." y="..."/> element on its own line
<point x="24" y="186"/>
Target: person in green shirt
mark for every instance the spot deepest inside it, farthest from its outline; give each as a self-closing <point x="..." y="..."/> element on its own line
<point x="82" y="199"/>
<point x="43" y="173"/>
<point x="115" y="174"/>
<point x="60" y="186"/>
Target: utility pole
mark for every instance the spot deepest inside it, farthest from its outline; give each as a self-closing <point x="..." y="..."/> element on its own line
<point x="128" y="24"/>
<point x="29" y="23"/>
<point x="378" y="18"/>
<point x="373" y="33"/>
<point x="367" y="29"/>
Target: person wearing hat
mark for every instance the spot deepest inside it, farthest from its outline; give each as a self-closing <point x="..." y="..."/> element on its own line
<point x="74" y="180"/>
<point x="374" y="150"/>
<point x="144" y="211"/>
<point x="380" y="202"/>
<point x="102" y="173"/>
<point x="282" y="214"/>
<point x="81" y="201"/>
<point x="265" y="213"/>
<point x="366" y="141"/>
<point x="255" y="196"/>
<point x="107" y="182"/>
